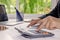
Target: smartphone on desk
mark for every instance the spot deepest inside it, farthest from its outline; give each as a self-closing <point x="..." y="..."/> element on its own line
<point x="31" y="33"/>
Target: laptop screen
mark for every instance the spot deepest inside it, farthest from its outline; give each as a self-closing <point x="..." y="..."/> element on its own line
<point x="3" y="14"/>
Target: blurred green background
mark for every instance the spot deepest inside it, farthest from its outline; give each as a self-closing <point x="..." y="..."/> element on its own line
<point x="28" y="6"/>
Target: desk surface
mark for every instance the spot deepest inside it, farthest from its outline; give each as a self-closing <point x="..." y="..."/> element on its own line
<point x="13" y="34"/>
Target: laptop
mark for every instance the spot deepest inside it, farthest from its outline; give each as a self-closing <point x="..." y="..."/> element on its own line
<point x="10" y="22"/>
<point x="4" y="18"/>
<point x="3" y="14"/>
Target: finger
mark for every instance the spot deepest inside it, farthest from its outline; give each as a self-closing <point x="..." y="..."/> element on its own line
<point x="29" y="25"/>
<point x="47" y="25"/>
<point x="43" y="23"/>
<point x="52" y="26"/>
<point x="33" y="22"/>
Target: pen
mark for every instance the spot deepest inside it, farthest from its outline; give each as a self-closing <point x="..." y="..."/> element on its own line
<point x="19" y="30"/>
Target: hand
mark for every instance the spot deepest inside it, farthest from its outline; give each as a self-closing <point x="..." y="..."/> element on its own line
<point x="50" y="23"/>
<point x="34" y="21"/>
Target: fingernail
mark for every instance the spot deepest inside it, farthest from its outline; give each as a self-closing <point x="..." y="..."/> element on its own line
<point x="37" y="30"/>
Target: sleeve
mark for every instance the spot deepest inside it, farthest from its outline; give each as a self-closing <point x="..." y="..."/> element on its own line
<point x="53" y="13"/>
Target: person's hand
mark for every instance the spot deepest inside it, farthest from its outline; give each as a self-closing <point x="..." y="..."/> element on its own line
<point x="33" y="22"/>
<point x="50" y="23"/>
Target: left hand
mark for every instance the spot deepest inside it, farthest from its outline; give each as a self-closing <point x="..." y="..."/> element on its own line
<point x="50" y="23"/>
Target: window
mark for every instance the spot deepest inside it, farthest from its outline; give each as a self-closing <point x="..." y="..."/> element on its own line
<point x="28" y="6"/>
<point x="35" y="6"/>
<point x="9" y="4"/>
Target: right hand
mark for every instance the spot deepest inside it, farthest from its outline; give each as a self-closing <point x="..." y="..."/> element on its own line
<point x="33" y="22"/>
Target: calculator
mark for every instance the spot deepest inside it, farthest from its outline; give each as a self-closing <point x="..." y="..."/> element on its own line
<point x="31" y="33"/>
<point x="40" y="34"/>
